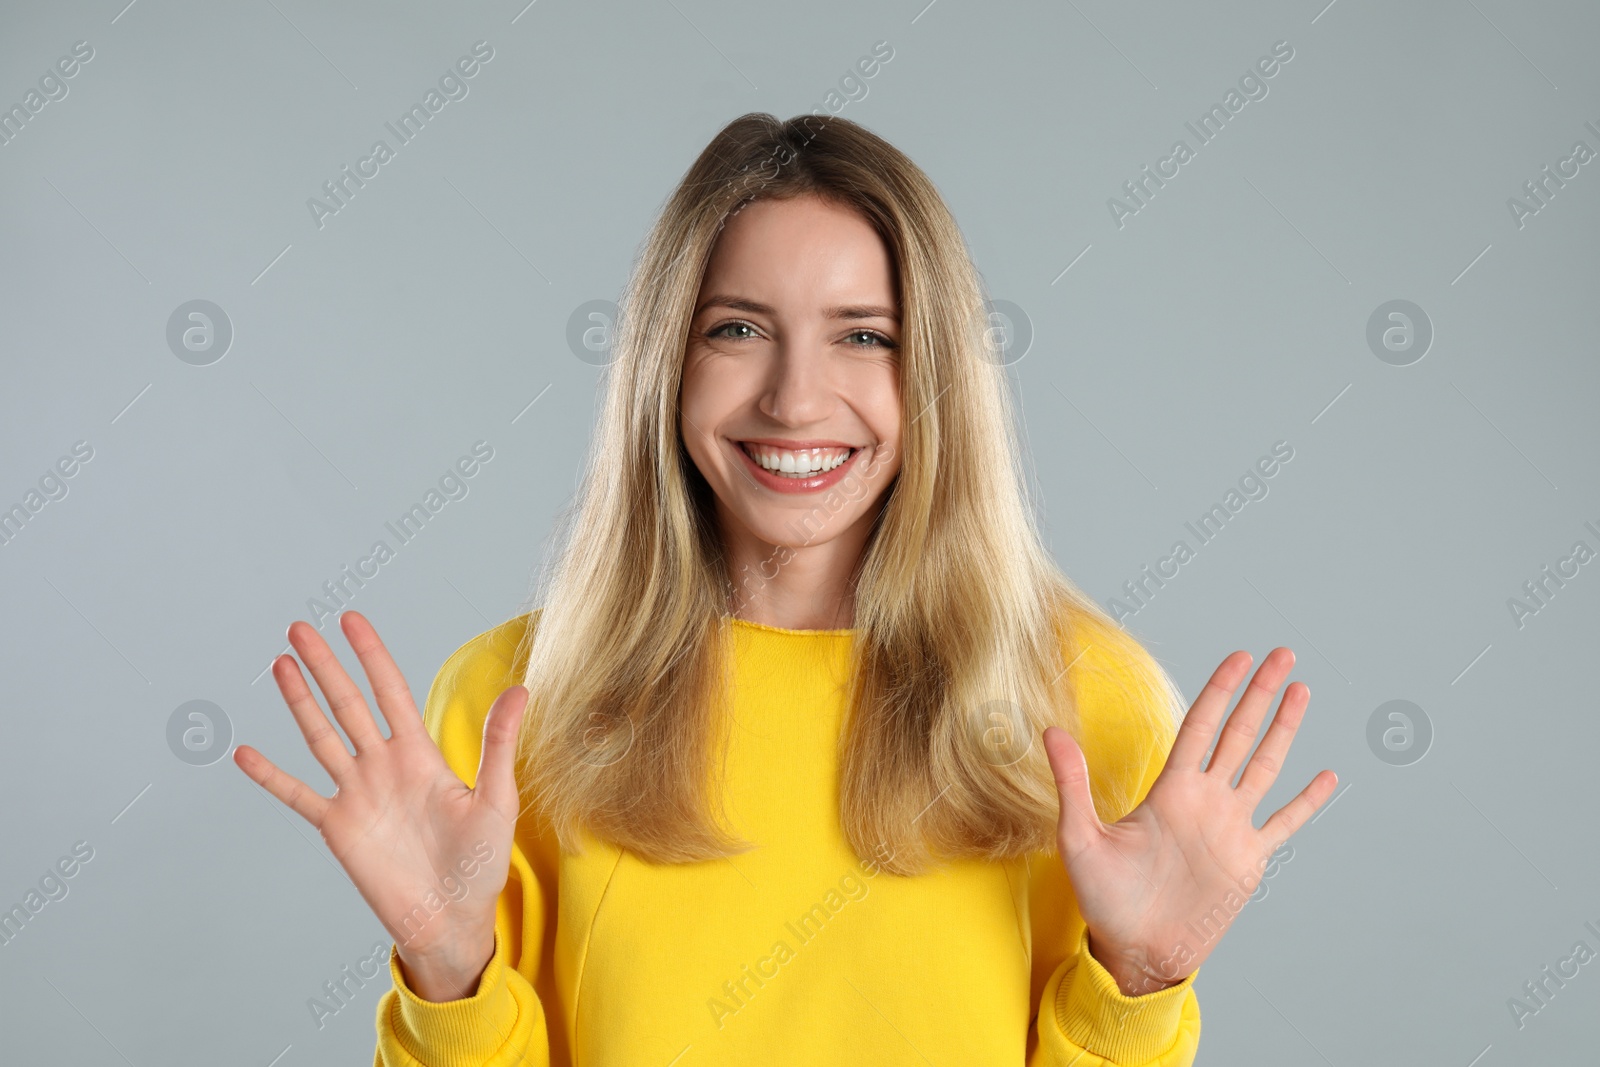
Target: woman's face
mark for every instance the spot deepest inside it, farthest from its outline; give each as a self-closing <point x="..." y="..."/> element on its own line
<point x="791" y="392"/>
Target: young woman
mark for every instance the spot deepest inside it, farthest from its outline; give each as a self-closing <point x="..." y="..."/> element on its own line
<point x="811" y="754"/>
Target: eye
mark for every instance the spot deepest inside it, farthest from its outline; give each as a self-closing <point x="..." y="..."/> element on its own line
<point x="883" y="342"/>
<point x="717" y="331"/>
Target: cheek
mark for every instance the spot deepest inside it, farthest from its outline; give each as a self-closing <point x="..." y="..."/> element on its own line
<point x="885" y="467"/>
<point x="700" y="450"/>
<point x="704" y="404"/>
<point x="693" y="396"/>
<point x="711" y="389"/>
<point x="875" y="395"/>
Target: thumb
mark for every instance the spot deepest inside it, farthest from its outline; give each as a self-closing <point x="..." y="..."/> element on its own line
<point x="1080" y="826"/>
<point x="497" y="778"/>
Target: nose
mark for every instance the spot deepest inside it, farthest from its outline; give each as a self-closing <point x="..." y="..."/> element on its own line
<point x="798" y="389"/>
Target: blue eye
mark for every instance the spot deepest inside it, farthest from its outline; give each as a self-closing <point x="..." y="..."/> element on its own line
<point x="718" y="331"/>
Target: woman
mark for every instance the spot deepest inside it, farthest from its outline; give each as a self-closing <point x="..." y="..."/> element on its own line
<point x="823" y="756"/>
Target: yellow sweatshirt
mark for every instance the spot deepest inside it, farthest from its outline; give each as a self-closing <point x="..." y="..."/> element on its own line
<point x="796" y="952"/>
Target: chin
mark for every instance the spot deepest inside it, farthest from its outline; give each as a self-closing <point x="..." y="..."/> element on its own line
<point x="804" y="525"/>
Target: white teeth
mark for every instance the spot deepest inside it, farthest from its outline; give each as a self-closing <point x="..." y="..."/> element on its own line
<point x="804" y="463"/>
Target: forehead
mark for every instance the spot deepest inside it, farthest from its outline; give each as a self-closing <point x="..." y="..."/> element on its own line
<point x="803" y="251"/>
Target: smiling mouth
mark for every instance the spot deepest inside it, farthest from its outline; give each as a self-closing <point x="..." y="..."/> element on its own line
<point x="797" y="463"/>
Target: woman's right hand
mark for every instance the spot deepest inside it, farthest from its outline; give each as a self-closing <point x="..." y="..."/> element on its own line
<point x="404" y="826"/>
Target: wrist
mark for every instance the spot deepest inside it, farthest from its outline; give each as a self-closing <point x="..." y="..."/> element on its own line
<point x="435" y="978"/>
<point x="1124" y="965"/>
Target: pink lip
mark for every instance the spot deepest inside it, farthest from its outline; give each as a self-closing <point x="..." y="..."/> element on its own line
<point x="797" y="485"/>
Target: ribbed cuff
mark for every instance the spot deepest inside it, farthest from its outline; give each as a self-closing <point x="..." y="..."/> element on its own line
<point x="456" y="1033"/>
<point x="1097" y="1016"/>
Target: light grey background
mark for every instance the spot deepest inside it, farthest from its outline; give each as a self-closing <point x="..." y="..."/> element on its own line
<point x="368" y="355"/>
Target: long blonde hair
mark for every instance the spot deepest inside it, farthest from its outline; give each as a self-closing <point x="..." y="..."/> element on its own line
<point x="963" y="622"/>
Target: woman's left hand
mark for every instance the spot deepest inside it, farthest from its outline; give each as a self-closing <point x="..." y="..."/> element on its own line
<point x="1157" y="889"/>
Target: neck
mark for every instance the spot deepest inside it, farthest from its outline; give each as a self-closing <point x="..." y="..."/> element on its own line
<point x="794" y="586"/>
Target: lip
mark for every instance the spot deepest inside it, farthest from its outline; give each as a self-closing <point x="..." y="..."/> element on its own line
<point x="780" y="484"/>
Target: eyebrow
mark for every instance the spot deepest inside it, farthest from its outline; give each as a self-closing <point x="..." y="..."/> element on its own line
<point x="755" y="307"/>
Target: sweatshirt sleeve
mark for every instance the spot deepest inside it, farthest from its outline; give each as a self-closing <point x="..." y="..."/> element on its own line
<point x="1084" y="1019"/>
<point x="502" y="1022"/>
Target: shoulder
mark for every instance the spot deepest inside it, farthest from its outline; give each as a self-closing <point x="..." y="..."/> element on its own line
<point x="1106" y="662"/>
<point x="465" y="687"/>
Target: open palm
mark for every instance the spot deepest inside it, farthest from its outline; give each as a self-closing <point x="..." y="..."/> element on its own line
<point x="428" y="854"/>
<point x="1158" y="888"/>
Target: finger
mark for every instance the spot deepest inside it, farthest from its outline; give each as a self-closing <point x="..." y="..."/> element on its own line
<point x="1080" y="826"/>
<point x="299" y="797"/>
<point x="1263" y="768"/>
<point x="1200" y="723"/>
<point x="348" y="705"/>
<point x="389" y="686"/>
<point x="1293" y="815"/>
<point x="323" y="740"/>
<point x="1239" y="732"/>
<point x="497" y="777"/>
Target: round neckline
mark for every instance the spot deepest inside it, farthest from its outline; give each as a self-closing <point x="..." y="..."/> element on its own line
<point x="794" y="633"/>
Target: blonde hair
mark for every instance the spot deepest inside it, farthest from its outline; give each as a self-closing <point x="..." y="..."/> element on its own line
<point x="960" y="609"/>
